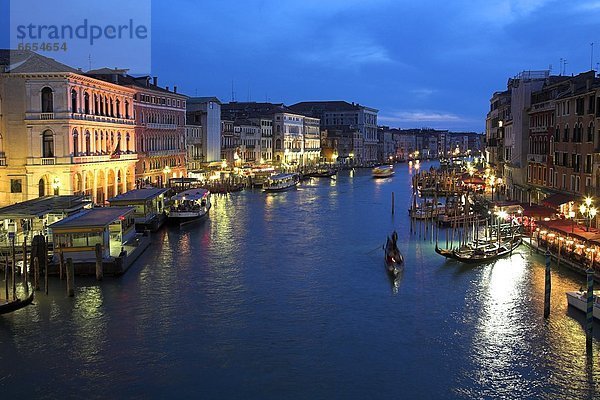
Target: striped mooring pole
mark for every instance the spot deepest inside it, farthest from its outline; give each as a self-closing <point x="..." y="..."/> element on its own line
<point x="590" y="310"/>
<point x="547" y="287"/>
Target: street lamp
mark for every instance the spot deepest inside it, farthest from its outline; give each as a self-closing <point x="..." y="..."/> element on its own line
<point x="499" y="183"/>
<point x="166" y="171"/>
<point x="588" y="211"/>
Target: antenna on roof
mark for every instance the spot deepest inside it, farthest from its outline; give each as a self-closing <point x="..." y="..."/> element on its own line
<point x="592" y="56"/>
<point x="90" y="62"/>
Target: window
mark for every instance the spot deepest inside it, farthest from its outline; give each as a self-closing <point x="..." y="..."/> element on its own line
<point x="73" y="101"/>
<point x="47" y="100"/>
<point x="47" y="144"/>
<point x="16" y="186"/>
<point x="86" y="103"/>
<point x="75" y="142"/>
<point x="590" y="132"/>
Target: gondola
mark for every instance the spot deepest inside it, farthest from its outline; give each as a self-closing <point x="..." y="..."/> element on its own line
<point x="470" y="254"/>
<point x="17" y="304"/>
<point x="393" y="259"/>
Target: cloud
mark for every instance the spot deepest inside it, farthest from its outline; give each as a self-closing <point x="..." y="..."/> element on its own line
<point x="422" y="93"/>
<point x="346" y="54"/>
<point x="421" y="116"/>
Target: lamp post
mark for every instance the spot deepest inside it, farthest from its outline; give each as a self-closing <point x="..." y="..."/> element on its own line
<point x="572" y="216"/>
<point x="166" y="171"/>
<point x="588" y="211"/>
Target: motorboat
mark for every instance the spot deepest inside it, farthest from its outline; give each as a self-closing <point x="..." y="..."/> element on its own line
<point x="578" y="300"/>
<point x="383" y="171"/>
<point x="280" y="182"/>
<point x="189" y="205"/>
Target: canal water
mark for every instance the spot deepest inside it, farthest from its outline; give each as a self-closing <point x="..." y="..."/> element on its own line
<point x="285" y="296"/>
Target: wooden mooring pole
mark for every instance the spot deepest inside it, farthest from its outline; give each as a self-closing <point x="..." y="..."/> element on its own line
<point x="392" y="203"/>
<point x="36" y="273"/>
<point x="590" y="310"/>
<point x="547" y="287"/>
<point x="25" y="271"/>
<point x="99" y="269"/>
<point x="70" y="278"/>
<point x="61" y="264"/>
<point x="6" y="276"/>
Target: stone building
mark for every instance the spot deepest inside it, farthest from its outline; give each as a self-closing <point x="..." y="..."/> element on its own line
<point x="69" y="133"/>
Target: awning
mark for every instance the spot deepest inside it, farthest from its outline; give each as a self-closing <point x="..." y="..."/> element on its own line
<point x="537" y="211"/>
<point x="558" y="199"/>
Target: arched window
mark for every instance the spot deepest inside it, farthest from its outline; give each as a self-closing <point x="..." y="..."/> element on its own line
<point x="47" y="144"/>
<point x="278" y="144"/>
<point x="73" y="101"/>
<point x="590" y="132"/>
<point x="47" y="100"/>
<point x="112" y="108"/>
<point x="75" y="142"/>
<point x="127" y="109"/>
<point x="96" y="105"/>
<point x="87" y="143"/>
<point x="118" y="108"/>
<point x="41" y="188"/>
<point x="97" y="143"/>
<point x="86" y="103"/>
<point x="127" y="142"/>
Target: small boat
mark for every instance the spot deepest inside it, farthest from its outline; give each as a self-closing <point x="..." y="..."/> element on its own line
<point x="393" y="259"/>
<point x="383" y="171"/>
<point x="579" y="301"/>
<point x="280" y="182"/>
<point x="17" y="304"/>
<point x="189" y="205"/>
<point x="427" y="211"/>
<point x="471" y="254"/>
<point x="322" y="173"/>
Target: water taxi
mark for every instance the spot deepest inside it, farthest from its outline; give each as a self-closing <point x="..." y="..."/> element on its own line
<point x="189" y="205"/>
<point x="280" y="182"/>
<point x="383" y="171"/>
<point x="579" y="301"/>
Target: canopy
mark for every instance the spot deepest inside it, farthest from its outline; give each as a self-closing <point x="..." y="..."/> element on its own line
<point x="558" y="199"/>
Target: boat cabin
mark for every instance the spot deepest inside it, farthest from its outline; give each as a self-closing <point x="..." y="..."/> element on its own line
<point x="76" y="236"/>
<point x="149" y="206"/>
<point x="32" y="217"/>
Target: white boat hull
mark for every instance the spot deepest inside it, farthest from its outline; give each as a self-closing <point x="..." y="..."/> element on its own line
<point x="579" y="301"/>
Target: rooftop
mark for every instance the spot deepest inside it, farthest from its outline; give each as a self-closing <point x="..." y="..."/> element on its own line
<point x="139" y="194"/>
<point x="44" y="205"/>
<point x="24" y="61"/>
<point x="94" y="217"/>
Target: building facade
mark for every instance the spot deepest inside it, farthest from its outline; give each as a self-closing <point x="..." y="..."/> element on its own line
<point x="206" y="112"/>
<point x="69" y="133"/>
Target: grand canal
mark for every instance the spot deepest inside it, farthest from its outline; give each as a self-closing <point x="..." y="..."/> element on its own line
<point x="285" y="296"/>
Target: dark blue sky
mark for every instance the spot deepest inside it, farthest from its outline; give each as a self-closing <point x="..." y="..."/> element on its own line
<point x="426" y="63"/>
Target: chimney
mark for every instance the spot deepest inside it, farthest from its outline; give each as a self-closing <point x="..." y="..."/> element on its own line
<point x="147" y="81"/>
<point x="155" y="81"/>
<point x="167" y="88"/>
<point x="175" y="89"/>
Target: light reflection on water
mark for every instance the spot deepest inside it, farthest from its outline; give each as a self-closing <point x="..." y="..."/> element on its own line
<point x="285" y="295"/>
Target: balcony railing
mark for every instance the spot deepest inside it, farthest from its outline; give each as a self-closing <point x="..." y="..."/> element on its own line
<point x="194" y="140"/>
<point x="48" y="161"/>
<point x="3" y="162"/>
<point x="538" y="158"/>
<point x="78" y="116"/>
<point x="102" y="158"/>
<point x="152" y="125"/>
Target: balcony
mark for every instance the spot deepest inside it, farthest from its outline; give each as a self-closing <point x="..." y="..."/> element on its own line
<point x="172" y="152"/>
<point x="102" y="158"/>
<point x="32" y="116"/>
<point x="161" y="126"/>
<point x="194" y="141"/>
<point x="48" y="161"/>
<point x="538" y="158"/>
<point x="538" y="129"/>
